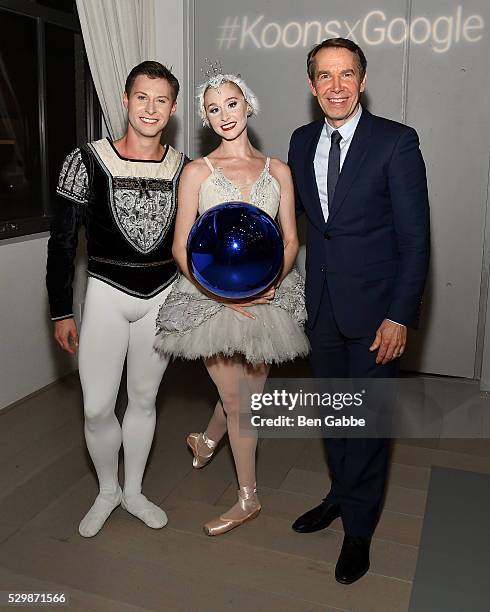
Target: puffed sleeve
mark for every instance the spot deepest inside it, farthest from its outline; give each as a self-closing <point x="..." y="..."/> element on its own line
<point x="70" y="205"/>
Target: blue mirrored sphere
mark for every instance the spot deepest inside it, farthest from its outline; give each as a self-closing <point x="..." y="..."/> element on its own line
<point x="235" y="250"/>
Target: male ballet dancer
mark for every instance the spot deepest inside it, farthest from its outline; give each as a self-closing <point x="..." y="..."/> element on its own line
<point x="124" y="192"/>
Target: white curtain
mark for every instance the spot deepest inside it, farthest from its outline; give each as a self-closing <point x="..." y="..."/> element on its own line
<point x="118" y="34"/>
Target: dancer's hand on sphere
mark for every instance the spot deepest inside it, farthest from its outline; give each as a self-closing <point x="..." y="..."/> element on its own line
<point x="263" y="298"/>
<point x="66" y="335"/>
<point x="269" y="294"/>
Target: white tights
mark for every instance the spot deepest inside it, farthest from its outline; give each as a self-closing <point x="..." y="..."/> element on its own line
<point x="116" y="325"/>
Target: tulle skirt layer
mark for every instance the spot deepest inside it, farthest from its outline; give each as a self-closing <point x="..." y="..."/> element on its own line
<point x="192" y="326"/>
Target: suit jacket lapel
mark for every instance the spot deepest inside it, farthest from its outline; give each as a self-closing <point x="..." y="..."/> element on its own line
<point x="310" y="175"/>
<point x="355" y="156"/>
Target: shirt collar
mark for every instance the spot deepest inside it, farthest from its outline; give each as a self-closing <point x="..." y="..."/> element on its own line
<point x="347" y="130"/>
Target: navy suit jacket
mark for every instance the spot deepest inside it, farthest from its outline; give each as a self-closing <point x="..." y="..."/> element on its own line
<point x="374" y="249"/>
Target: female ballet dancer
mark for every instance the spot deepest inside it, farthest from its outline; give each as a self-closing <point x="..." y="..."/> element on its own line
<point x="238" y="342"/>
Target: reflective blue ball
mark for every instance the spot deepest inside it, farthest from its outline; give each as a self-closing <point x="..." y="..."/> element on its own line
<point x="235" y="250"/>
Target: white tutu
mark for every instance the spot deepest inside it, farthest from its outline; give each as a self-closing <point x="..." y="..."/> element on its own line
<point x="191" y="325"/>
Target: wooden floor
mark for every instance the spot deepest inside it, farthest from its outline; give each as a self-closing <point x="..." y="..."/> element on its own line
<point x="47" y="484"/>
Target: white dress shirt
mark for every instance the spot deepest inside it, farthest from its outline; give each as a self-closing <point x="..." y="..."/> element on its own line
<point x="323" y="149"/>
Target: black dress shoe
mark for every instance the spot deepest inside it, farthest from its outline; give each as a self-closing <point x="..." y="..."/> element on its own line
<point x="317" y="518"/>
<point x="353" y="561"/>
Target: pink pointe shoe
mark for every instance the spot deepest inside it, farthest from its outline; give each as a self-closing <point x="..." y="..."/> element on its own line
<point x="247" y="508"/>
<point x="199" y="442"/>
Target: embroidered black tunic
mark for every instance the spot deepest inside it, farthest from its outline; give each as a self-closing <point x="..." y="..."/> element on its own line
<point x="128" y="209"/>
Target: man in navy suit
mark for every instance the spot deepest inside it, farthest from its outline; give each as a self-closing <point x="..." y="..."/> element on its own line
<point x="361" y="181"/>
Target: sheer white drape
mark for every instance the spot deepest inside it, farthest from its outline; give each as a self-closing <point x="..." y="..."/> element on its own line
<point x="118" y="34"/>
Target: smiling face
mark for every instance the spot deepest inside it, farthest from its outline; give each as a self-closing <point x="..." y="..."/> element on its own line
<point x="337" y="84"/>
<point x="226" y="110"/>
<point x="150" y="105"/>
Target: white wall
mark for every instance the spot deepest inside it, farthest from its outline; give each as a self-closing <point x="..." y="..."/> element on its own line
<point x="29" y="357"/>
<point x="169" y="44"/>
<point x="418" y="81"/>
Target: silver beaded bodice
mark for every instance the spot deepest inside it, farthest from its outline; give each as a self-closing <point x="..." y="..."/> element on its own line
<point x="217" y="188"/>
